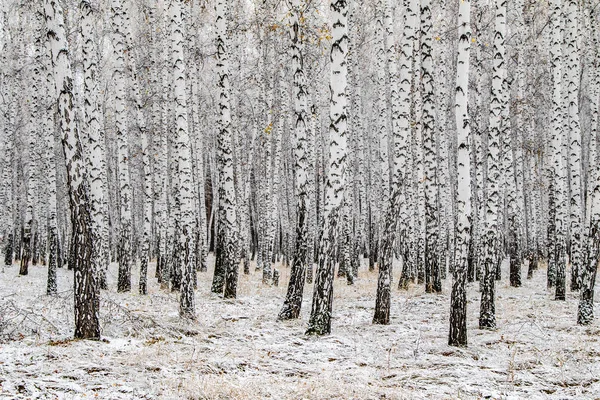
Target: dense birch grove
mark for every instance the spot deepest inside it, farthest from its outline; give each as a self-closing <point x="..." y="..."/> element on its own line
<point x="426" y="140"/>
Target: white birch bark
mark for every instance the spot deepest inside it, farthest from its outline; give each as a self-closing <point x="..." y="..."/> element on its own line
<point x="293" y="301"/>
<point x="125" y="194"/>
<point x="185" y="234"/>
<point x="402" y="141"/>
<point x="433" y="281"/>
<point x="492" y="241"/>
<point x="86" y="289"/>
<point x="30" y="167"/>
<point x="558" y="145"/>
<point x="49" y="134"/>
<point x="574" y="136"/>
<point x="585" y="313"/>
<point x="226" y="266"/>
<point x="143" y="131"/>
<point x="458" y="308"/>
<point x="320" y="318"/>
<point x="95" y="141"/>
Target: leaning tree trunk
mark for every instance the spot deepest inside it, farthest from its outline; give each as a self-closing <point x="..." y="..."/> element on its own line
<point x="320" y="316"/>
<point x="86" y="307"/>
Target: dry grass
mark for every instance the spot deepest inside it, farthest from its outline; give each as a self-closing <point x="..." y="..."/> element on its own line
<point x="236" y="350"/>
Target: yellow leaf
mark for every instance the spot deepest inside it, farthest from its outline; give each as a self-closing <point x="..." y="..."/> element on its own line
<point x="269" y="128"/>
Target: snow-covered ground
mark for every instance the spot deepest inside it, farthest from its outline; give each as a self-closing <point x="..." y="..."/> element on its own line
<point x="236" y="350"/>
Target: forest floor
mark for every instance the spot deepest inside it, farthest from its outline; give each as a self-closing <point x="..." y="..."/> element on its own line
<point x="236" y="349"/>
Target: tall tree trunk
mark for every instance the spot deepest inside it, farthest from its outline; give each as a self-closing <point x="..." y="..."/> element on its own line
<point x="143" y="132"/>
<point x="585" y="314"/>
<point x="184" y="234"/>
<point x="125" y="200"/>
<point x="320" y="317"/>
<point x="226" y="265"/>
<point x="458" y="301"/>
<point x="293" y="300"/>
<point x="433" y="280"/>
<point x="401" y="137"/>
<point x="51" y="165"/>
<point x="91" y="131"/>
<point x="492" y="240"/>
<point x="29" y="169"/>
<point x="86" y="308"/>
<point x="572" y="74"/>
<point x="556" y="272"/>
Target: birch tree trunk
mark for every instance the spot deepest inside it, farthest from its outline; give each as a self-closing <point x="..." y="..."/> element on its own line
<point x="401" y="140"/>
<point x="185" y="234"/>
<point x="574" y="134"/>
<point x="226" y="264"/>
<point x="433" y="280"/>
<point x="29" y="169"/>
<point x="585" y="314"/>
<point x="382" y="129"/>
<point x="50" y="136"/>
<point x="92" y="133"/>
<point x="458" y="301"/>
<point x="143" y="131"/>
<point x="125" y="199"/>
<point x="320" y="317"/>
<point x="9" y="139"/>
<point x="442" y="89"/>
<point x="557" y="274"/>
<point x="293" y="300"/>
<point x="492" y="242"/>
<point x="86" y="308"/>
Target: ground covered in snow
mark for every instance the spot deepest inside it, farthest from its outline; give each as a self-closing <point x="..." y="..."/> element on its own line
<point x="236" y="350"/>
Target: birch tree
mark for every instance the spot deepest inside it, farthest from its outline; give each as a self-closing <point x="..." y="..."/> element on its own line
<point x="51" y="165"/>
<point x="556" y="268"/>
<point x="125" y="199"/>
<point x="492" y="249"/>
<point x="226" y="264"/>
<point x="322" y="305"/>
<point x="87" y="324"/>
<point x="186" y="200"/>
<point x="458" y="302"/>
<point x="585" y="314"/>
<point x="293" y="301"/>
<point x="433" y="281"/>
<point x="92" y="132"/>
<point x="572" y="76"/>
<point x="401" y="141"/>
